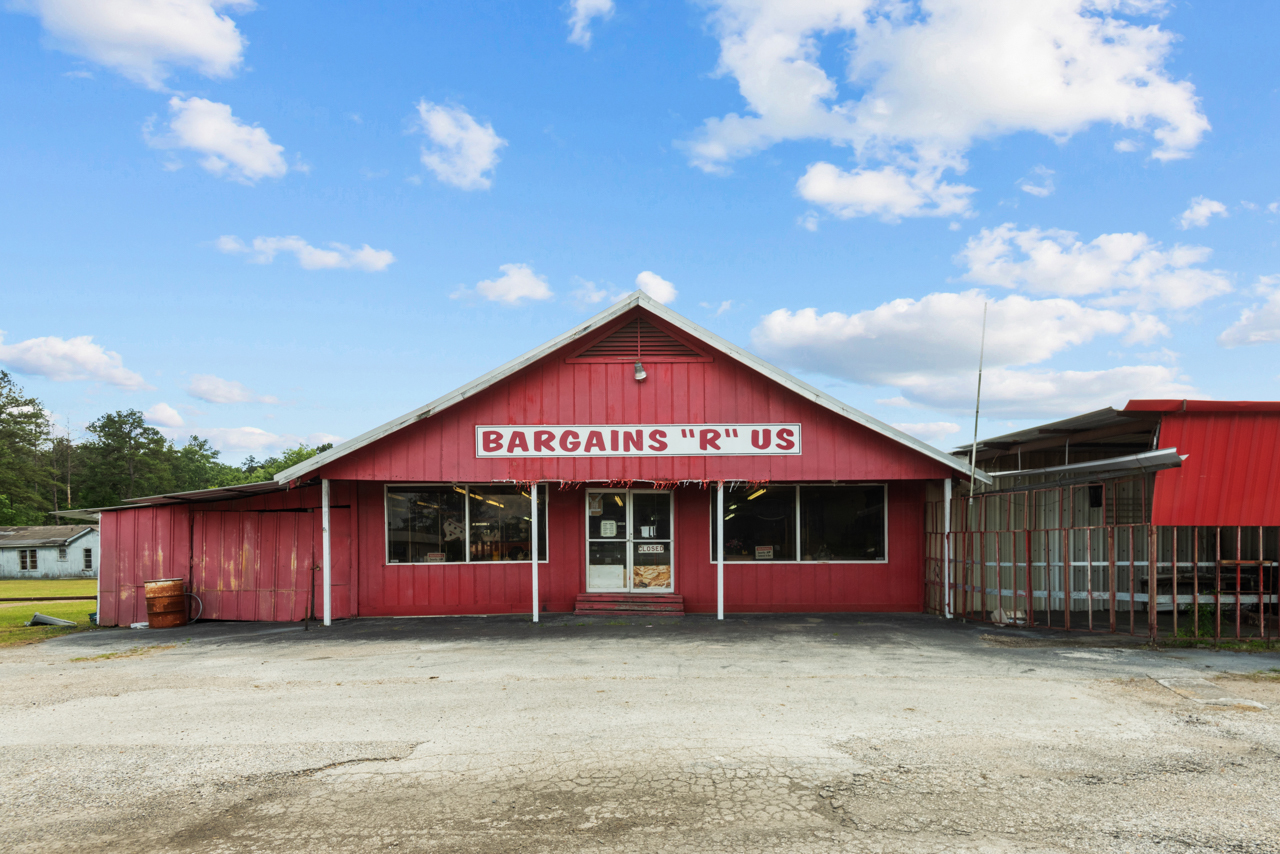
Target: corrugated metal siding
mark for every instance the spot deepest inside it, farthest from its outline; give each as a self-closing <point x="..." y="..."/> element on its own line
<point x="1232" y="472"/>
<point x="442" y="448"/>
<point x="139" y="545"/>
<point x="248" y="559"/>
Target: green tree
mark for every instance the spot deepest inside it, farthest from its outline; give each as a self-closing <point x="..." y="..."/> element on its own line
<point x="256" y="472"/>
<point x="25" y="479"/>
<point x="124" y="459"/>
<point x="196" y="466"/>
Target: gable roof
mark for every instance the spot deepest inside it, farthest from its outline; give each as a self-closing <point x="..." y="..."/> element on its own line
<point x="641" y="300"/>
<point x="30" y="536"/>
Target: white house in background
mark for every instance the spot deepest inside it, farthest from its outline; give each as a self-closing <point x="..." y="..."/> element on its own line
<point x="49" y="551"/>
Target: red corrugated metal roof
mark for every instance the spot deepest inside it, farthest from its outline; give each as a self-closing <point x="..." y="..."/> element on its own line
<point x="1231" y="473"/>
<point x="1203" y="406"/>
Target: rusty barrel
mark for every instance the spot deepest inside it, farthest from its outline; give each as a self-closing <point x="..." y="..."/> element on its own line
<point x="166" y="603"/>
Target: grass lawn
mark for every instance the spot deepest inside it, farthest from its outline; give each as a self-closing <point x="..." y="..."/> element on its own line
<point x="51" y="587"/>
<point x="14" y="633"/>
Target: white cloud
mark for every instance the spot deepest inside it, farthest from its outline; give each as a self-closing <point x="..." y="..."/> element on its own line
<point x="145" y="39"/>
<point x="808" y="221"/>
<point x="1038" y="393"/>
<point x="337" y="256"/>
<point x="1260" y="323"/>
<point x="1127" y="145"/>
<point x="928" y="350"/>
<point x="889" y="192"/>
<point x="1199" y="213"/>
<point x="69" y="360"/>
<point x="1113" y="269"/>
<point x="933" y="432"/>
<point x="656" y="287"/>
<point x="517" y="283"/>
<point x="238" y="151"/>
<point x="581" y="13"/>
<point x="257" y="439"/>
<point x="589" y="294"/>
<point x="463" y="151"/>
<point x="924" y="79"/>
<point x="163" y="415"/>
<point x="213" y="389"/>
<point x="1040" y="185"/>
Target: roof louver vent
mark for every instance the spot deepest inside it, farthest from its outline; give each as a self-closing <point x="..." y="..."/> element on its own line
<point x="639" y="340"/>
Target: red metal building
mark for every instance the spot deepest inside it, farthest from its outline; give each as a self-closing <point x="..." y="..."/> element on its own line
<point x="634" y="429"/>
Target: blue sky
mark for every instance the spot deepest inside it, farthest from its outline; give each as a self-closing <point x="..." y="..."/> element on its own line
<point x="839" y="185"/>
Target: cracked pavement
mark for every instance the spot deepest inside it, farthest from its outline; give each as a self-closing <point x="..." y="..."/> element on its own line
<point x="875" y="733"/>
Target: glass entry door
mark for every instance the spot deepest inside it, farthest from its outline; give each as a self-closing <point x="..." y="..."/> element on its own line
<point x="629" y="546"/>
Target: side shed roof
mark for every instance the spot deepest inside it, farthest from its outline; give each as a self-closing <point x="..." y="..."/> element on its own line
<point x="642" y="300"/>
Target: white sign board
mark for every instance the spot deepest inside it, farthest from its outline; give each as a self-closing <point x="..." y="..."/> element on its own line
<point x="638" y="440"/>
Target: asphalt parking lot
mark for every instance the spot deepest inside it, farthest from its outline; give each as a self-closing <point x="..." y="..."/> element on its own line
<point x="796" y="733"/>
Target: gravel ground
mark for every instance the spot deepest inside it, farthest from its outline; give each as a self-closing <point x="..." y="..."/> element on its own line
<point x="848" y="733"/>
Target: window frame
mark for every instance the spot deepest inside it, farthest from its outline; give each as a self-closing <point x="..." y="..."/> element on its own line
<point x="28" y="560"/>
<point x="62" y="553"/>
<point x="884" y="486"/>
<point x="86" y="555"/>
<point x="466" y="521"/>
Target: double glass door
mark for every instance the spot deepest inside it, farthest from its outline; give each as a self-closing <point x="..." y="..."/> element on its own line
<point x="629" y="547"/>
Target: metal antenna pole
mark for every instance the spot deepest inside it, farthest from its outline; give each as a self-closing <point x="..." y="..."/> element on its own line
<point x="977" y="405"/>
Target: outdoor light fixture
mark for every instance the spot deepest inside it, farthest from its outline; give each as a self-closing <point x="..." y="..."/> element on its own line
<point x="640" y="374"/>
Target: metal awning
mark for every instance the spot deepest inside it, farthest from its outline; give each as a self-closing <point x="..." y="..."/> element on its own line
<point x="1164" y="458"/>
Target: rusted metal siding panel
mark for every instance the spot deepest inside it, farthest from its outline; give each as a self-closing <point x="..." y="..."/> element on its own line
<point x="139" y="545"/>
<point x="443" y="448"/>
<point x="1231" y="471"/>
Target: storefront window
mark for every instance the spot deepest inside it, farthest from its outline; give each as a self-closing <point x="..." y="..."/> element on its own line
<point x="842" y="522"/>
<point x="835" y="523"/>
<point x="426" y="524"/>
<point x="759" y="523"/>
<point x="502" y="525"/>
<point x="453" y="523"/>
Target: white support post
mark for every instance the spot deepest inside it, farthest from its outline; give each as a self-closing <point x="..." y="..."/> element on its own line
<point x="533" y="500"/>
<point x="326" y="562"/>
<point x="946" y="549"/>
<point x="720" y="550"/>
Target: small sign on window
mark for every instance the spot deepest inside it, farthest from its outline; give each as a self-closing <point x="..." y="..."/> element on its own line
<point x="764" y="552"/>
<point x="608" y="528"/>
<point x="435" y="557"/>
<point x="595" y="504"/>
<point x="651" y="549"/>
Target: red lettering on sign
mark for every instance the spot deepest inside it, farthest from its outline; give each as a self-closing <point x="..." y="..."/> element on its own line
<point x="491" y="440"/>
<point x="655" y="440"/>
<point x="569" y="441"/>
<point x="613" y="440"/>
<point x="633" y="440"/>
<point x="757" y="443"/>
<point x="595" y="440"/>
<point x="785" y="435"/>
<point x="517" y="442"/>
<point x="708" y="439"/>
<point x="542" y="440"/>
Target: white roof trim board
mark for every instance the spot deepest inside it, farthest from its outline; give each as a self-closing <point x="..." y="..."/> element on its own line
<point x="638" y="298"/>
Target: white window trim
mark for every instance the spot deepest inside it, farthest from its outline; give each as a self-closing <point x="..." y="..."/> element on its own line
<point x="62" y="553"/>
<point x="386" y="533"/>
<point x="884" y="485"/>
